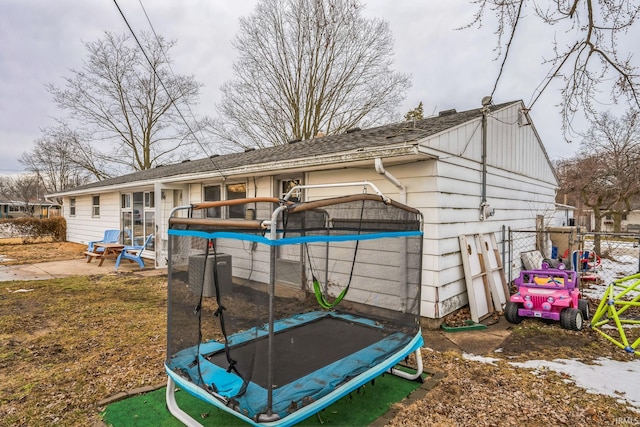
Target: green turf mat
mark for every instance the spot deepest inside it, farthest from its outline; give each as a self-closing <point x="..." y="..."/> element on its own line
<point x="360" y="408"/>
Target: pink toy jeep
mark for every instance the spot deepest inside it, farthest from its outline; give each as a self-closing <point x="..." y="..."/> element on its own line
<point x="548" y="293"/>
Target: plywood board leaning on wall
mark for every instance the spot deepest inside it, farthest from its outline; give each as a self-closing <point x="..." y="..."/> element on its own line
<point x="487" y="287"/>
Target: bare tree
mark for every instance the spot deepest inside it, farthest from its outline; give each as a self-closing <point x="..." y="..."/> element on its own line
<point x="58" y="158"/>
<point x="616" y="142"/>
<point x="605" y="175"/>
<point x="308" y="66"/>
<point x="22" y="189"/>
<point x="127" y="104"/>
<point x="588" y="51"/>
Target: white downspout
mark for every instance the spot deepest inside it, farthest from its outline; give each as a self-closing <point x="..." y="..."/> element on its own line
<point x="395" y="181"/>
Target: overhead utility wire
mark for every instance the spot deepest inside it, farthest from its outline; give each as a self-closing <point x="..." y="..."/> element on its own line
<point x="153" y="30"/>
<point x="506" y="54"/>
<point x="550" y="77"/>
<point x="173" y="102"/>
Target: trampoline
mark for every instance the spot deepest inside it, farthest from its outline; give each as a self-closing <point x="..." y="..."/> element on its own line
<point x="276" y="316"/>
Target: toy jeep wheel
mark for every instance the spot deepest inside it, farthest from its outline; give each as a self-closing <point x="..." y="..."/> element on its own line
<point x="511" y="312"/>
<point x="583" y="306"/>
<point x="571" y="318"/>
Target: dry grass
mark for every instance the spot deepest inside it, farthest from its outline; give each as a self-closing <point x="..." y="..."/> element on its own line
<point x="481" y="394"/>
<point x="69" y="343"/>
<point x="16" y="254"/>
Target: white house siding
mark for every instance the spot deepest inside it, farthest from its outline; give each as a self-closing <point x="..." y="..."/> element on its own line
<point x="375" y="277"/>
<point x="455" y="211"/>
<point x="448" y="193"/>
<point x="519" y="186"/>
<point x="82" y="227"/>
<point x="510" y="146"/>
<point x="419" y="179"/>
<point x="411" y="175"/>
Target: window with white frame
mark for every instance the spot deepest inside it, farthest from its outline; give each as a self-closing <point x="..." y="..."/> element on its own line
<point x="72" y="206"/>
<point x="95" y="206"/>
<point x="125" y="200"/>
<point x="149" y="199"/>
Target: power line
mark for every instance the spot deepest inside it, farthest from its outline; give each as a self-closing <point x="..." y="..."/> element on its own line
<point x="173" y="102"/>
<point x="550" y="77"/>
<point x="508" y="49"/>
<point x="164" y="54"/>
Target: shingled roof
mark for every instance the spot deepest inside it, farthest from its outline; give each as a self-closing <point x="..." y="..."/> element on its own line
<point x="392" y="134"/>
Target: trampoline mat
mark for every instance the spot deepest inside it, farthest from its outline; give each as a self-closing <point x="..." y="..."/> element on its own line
<point x="300" y="350"/>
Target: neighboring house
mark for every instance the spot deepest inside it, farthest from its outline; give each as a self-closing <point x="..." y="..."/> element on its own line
<point x="563" y="216"/>
<point x="38" y="209"/>
<point x="467" y="172"/>
<point x="630" y="222"/>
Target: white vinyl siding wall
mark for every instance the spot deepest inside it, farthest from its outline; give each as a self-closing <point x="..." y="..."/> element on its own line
<point x="82" y="227"/>
<point x="520" y="185"/>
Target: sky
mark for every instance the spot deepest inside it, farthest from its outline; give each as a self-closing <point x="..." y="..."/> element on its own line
<point x="42" y="40"/>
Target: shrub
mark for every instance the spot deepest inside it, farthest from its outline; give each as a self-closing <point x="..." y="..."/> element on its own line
<point x="55" y="227"/>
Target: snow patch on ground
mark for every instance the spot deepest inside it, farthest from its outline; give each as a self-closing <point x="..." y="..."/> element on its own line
<point x="619" y="380"/>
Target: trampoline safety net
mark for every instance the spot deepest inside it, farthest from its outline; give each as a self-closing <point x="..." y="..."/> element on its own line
<point x="280" y="311"/>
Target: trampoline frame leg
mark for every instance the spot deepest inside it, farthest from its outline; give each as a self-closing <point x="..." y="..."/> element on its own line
<point x="406" y="375"/>
<point x="175" y="410"/>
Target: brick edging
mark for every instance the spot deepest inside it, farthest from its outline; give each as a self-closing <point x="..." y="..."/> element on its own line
<point x="126" y="394"/>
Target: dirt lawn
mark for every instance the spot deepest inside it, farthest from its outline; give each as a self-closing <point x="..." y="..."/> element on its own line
<point x="66" y="344"/>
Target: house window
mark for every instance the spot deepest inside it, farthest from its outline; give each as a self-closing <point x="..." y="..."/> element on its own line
<point x="288" y="253"/>
<point x="149" y="199"/>
<point x="125" y="200"/>
<point x="95" y="206"/>
<point x="72" y="206"/>
<point x="236" y="191"/>
<point x="287" y="184"/>
<point x="212" y="194"/>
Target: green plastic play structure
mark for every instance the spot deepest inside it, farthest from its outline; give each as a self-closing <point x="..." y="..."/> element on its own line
<point x="613" y="305"/>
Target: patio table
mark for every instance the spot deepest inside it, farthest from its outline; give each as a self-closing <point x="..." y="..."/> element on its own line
<point x="110" y="251"/>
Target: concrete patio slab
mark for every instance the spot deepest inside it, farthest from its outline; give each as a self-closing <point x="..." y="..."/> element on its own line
<point x="69" y="268"/>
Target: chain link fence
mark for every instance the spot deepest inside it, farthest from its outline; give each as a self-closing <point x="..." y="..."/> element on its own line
<point x="599" y="257"/>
